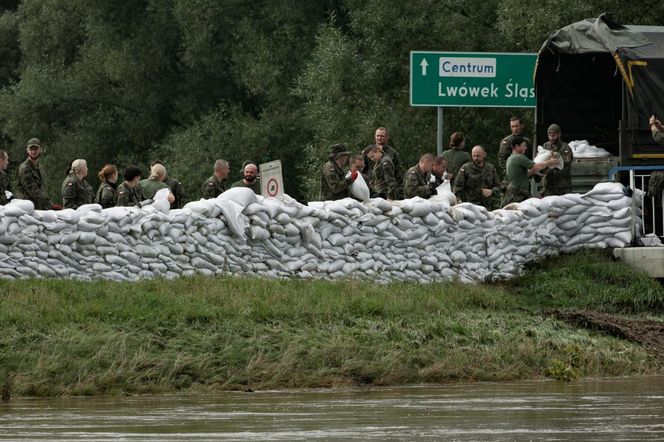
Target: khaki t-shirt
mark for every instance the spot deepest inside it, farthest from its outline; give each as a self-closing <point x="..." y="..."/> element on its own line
<point x="517" y="171"/>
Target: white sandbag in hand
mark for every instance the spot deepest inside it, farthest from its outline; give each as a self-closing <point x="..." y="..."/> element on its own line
<point x="445" y="190"/>
<point x="544" y="155"/>
<point x="359" y="188"/>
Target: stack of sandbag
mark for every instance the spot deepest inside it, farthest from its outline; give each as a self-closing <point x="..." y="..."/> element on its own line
<point x="241" y="233"/>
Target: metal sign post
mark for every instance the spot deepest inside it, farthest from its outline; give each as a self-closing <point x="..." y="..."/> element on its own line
<point x="439" y="132"/>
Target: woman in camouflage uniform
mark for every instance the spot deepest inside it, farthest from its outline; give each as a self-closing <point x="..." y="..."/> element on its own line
<point x="76" y="191"/>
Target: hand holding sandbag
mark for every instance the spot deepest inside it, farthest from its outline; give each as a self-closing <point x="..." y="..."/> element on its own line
<point x="353" y="175"/>
<point x="358" y="187"/>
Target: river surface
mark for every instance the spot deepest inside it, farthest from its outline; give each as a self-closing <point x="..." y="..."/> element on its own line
<point x="589" y="410"/>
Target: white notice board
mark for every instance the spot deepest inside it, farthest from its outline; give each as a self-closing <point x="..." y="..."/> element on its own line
<point x="272" y="182"/>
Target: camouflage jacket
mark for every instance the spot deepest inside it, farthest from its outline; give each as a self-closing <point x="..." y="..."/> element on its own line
<point x="76" y="192"/>
<point x="333" y="184"/>
<point x="384" y="182"/>
<point x="5" y="185"/>
<point x="390" y="153"/>
<point x="213" y="187"/>
<point x="106" y="195"/>
<point x="416" y="183"/>
<point x="128" y="196"/>
<point x="557" y="181"/>
<point x="178" y="192"/>
<point x="470" y="181"/>
<point x="31" y="185"/>
<point x="658" y="136"/>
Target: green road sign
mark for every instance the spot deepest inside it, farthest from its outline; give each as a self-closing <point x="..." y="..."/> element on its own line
<point x="472" y="79"/>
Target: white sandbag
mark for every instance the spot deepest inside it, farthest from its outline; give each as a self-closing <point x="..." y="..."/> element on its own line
<point x="545" y="154"/>
<point x="243" y="196"/>
<point x="583" y="149"/>
<point x="26" y="206"/>
<point x="233" y="214"/>
<point x="359" y="188"/>
<point x="445" y="191"/>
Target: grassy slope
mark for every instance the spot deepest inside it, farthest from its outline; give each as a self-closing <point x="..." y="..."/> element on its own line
<point x="64" y="337"/>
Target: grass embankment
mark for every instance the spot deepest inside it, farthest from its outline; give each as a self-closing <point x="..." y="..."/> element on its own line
<point x="64" y="337"/>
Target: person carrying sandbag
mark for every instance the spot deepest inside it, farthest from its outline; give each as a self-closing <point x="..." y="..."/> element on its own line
<point x="333" y="184"/>
<point x="417" y="181"/>
<point x="519" y="169"/>
<point x="558" y="181"/>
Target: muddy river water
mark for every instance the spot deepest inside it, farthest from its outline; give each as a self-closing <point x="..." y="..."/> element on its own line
<point x="588" y="410"/>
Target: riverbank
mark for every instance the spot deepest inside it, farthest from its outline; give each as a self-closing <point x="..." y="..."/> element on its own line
<point x="74" y="338"/>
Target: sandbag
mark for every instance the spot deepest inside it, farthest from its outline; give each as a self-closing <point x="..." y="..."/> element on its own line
<point x="359" y="188"/>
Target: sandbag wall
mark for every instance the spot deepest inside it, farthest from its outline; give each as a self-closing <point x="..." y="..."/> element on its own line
<point x="243" y="234"/>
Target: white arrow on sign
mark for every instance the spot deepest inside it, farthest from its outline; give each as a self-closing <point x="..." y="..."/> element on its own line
<point x="424" y="65"/>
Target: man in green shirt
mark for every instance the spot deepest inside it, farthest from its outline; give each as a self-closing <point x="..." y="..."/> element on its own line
<point x="250" y="178"/>
<point x="519" y="169"/>
<point x="505" y="150"/>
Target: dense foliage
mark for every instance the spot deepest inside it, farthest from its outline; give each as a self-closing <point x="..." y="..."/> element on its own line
<point x="189" y="81"/>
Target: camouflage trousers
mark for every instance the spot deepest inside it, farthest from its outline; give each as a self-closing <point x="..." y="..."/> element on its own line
<point x="514" y="195"/>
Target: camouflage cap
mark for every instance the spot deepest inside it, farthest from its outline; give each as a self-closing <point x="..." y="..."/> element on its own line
<point x="34" y="142"/>
<point x="554" y="128"/>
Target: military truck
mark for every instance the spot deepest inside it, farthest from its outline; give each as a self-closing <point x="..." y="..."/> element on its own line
<point x="601" y="81"/>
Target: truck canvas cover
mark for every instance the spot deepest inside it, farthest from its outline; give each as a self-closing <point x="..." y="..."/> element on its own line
<point x="594" y="73"/>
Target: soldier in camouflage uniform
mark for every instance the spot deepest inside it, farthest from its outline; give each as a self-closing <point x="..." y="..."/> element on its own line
<point x="76" y="191"/>
<point x="5" y="184"/>
<point x="556" y="181"/>
<point x="217" y="183"/>
<point x="31" y="178"/>
<point x="439" y="170"/>
<point x="108" y="175"/>
<point x="657" y="130"/>
<point x="333" y="184"/>
<point x="417" y="180"/>
<point x="519" y="169"/>
<point x="383" y="180"/>
<point x="130" y="193"/>
<point x="505" y="149"/>
<point x="477" y="181"/>
<point x="381" y="138"/>
<point x="455" y="155"/>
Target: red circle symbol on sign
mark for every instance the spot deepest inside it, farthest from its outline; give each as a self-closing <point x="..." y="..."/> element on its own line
<point x="272" y="187"/>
